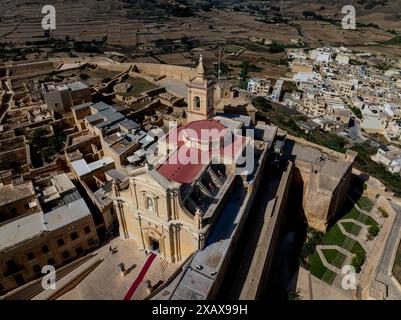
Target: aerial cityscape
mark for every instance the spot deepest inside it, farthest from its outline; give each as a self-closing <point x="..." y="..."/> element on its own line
<point x="200" y="150"/>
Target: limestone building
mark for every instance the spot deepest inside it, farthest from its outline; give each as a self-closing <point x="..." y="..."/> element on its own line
<point x="325" y="179"/>
<point x="171" y="207"/>
<point x="46" y="225"/>
<point x="171" y="204"/>
<point x="60" y="98"/>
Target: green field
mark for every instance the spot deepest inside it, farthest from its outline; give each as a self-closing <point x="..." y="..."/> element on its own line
<point x="319" y="270"/>
<point x="335" y="237"/>
<point x="361" y="217"/>
<point x="365" y="204"/>
<point x="352" y="228"/>
<point x="334" y="257"/>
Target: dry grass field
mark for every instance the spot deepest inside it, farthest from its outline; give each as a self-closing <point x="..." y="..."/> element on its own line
<point x="147" y="34"/>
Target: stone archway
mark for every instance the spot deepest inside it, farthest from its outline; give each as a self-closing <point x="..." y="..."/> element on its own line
<point x="154" y="241"/>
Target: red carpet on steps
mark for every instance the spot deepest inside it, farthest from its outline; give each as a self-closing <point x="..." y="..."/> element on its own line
<point x="140" y="277"/>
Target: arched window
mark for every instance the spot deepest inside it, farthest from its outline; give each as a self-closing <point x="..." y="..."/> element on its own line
<point x="196" y="102"/>
<point x="149" y="204"/>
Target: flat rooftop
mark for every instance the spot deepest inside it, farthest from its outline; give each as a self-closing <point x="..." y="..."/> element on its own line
<point x="332" y="167"/>
<point x="66" y="214"/>
<point x="62" y="183"/>
<point x="33" y="225"/>
<point x="21" y="230"/>
<point x="81" y="167"/>
<point x="12" y="193"/>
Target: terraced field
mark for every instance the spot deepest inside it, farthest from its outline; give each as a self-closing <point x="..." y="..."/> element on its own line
<point x="352" y="228"/>
<point x="334" y="257"/>
<point x="319" y="270"/>
<point x="336" y="237"/>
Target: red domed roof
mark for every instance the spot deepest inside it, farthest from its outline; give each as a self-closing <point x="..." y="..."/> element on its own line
<point x="185" y="170"/>
<point x="204" y="130"/>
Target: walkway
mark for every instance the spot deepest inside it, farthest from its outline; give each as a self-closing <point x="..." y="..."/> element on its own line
<point x="336" y="247"/>
<point x="385" y="267"/>
<point x="338" y="279"/>
<point x="325" y="262"/>
<point x="358" y="238"/>
<point x="140" y="277"/>
<point x="368" y="213"/>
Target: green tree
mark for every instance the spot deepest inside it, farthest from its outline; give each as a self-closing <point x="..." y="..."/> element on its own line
<point x="261" y="103"/>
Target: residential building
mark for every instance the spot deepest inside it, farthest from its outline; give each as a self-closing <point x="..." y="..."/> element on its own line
<point x="61" y="97"/>
<point x="53" y="232"/>
<point x="259" y="86"/>
<point x="389" y="157"/>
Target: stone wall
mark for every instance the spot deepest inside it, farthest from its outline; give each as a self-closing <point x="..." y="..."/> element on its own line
<point x="155" y="69"/>
<point x="265" y="254"/>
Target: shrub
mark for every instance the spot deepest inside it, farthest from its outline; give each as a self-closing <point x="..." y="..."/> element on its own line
<point x="373" y="231"/>
<point x="261" y="103"/>
<point x="314" y="238"/>
<point x="383" y="212"/>
<point x="84" y="76"/>
<point x="358" y="261"/>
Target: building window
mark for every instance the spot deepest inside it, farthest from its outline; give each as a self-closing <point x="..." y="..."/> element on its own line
<point x="149" y="204"/>
<point x="30" y="256"/>
<point x="37" y="268"/>
<point x="60" y="242"/>
<point x="45" y="249"/>
<point x="51" y="262"/>
<point x="196" y="102"/>
<point x="26" y="206"/>
<point x="74" y="235"/>
<point x="91" y="242"/>
<point x="79" y="250"/>
<point x="66" y="254"/>
<point x="87" y="229"/>
<point x="11" y="265"/>
<point x="19" y="279"/>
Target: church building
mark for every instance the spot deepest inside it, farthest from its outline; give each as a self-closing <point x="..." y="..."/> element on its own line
<point x="171" y="207"/>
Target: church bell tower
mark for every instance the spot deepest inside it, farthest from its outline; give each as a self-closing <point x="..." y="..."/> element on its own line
<point x="200" y="96"/>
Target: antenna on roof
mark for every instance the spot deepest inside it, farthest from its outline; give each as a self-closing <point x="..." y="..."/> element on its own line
<point x="148" y="166"/>
<point x="219" y="71"/>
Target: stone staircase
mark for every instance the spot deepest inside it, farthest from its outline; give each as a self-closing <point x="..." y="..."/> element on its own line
<point x="163" y="265"/>
<point x="215" y="178"/>
<point x="204" y="190"/>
